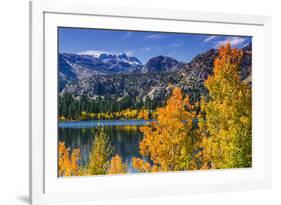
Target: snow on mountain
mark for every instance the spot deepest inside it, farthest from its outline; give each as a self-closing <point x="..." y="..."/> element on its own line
<point x="152" y="80"/>
<point x="93" y="53"/>
<point x="114" y="58"/>
<point x="73" y="67"/>
<point x="107" y="57"/>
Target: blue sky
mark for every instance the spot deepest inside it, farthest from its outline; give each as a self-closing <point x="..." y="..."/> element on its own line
<point x="143" y="45"/>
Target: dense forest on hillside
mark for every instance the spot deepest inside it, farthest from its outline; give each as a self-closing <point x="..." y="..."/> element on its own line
<point x="84" y="108"/>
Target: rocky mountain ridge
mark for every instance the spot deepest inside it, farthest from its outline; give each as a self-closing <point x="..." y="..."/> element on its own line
<point x="152" y="80"/>
<point x="75" y="67"/>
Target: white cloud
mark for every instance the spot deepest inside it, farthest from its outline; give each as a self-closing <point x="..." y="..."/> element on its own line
<point x="209" y="38"/>
<point x="154" y="36"/>
<point x="127" y="35"/>
<point x="95" y="53"/>
<point x="234" y="41"/>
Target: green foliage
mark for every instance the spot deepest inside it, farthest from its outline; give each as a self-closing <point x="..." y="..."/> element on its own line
<point x="100" y="153"/>
<point x="226" y="122"/>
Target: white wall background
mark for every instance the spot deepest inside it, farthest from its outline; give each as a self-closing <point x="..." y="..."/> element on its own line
<point x="14" y="100"/>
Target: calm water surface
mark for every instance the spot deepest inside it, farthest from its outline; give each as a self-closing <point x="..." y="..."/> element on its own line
<point x="124" y="135"/>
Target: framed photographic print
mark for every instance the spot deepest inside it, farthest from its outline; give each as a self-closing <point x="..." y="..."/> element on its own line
<point x="129" y="102"/>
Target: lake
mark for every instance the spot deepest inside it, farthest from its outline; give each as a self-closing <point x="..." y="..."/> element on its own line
<point x="124" y="135"/>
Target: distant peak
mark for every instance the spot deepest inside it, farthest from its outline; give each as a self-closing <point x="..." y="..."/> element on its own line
<point x="123" y="55"/>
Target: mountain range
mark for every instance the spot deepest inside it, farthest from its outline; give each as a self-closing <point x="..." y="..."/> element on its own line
<point x="117" y="76"/>
<point x="74" y="67"/>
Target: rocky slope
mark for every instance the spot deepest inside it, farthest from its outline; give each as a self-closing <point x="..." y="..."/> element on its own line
<point x="150" y="81"/>
<point x="161" y="64"/>
<point x="73" y="67"/>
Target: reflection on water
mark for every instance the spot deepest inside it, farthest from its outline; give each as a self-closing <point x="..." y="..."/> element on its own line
<point x="124" y="138"/>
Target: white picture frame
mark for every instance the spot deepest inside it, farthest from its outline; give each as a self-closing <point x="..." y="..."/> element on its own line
<point x="46" y="187"/>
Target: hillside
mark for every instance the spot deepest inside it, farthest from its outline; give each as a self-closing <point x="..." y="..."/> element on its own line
<point x="120" y="76"/>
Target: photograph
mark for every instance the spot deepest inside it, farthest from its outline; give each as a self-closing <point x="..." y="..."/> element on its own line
<point x="131" y="102"/>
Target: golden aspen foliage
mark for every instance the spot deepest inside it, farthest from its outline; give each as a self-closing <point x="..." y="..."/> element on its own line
<point x="100" y="153"/>
<point x="62" y="118"/>
<point x="154" y="114"/>
<point x="117" y="166"/>
<point x="226" y="121"/>
<point x="123" y="114"/>
<point x="143" y="114"/>
<point x="169" y="141"/>
<point x="141" y="165"/>
<point x="83" y="116"/>
<point x="68" y="162"/>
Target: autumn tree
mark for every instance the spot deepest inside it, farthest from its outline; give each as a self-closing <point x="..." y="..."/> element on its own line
<point x="68" y="161"/>
<point x="141" y="165"/>
<point x="168" y="142"/>
<point x="117" y="166"/>
<point x="226" y="121"/>
<point x="100" y="153"/>
<point x="143" y="114"/>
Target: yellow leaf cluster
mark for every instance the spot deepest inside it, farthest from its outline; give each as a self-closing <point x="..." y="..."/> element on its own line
<point x="168" y="142"/>
<point x="68" y="163"/>
<point x="100" y="153"/>
<point x="123" y="114"/>
<point x="226" y="121"/>
<point x="117" y="166"/>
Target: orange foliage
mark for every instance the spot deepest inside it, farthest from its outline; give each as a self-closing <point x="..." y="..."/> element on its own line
<point x="141" y="165"/>
<point x="68" y="163"/>
<point x="226" y="124"/>
<point x="143" y="114"/>
<point x="117" y="166"/>
<point x="168" y="142"/>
